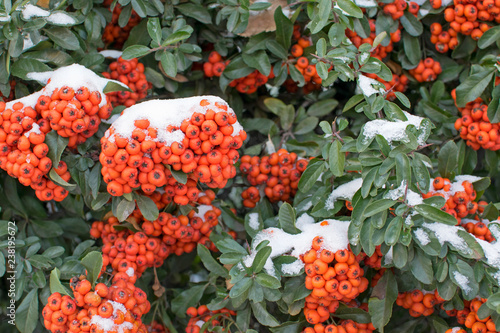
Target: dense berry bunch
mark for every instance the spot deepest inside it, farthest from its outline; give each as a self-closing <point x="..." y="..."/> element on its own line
<point x="375" y="260"/>
<point x="466" y="18"/>
<point x="157" y="239"/>
<point x="477" y="227"/>
<point x="333" y="278"/>
<point x="74" y="114"/>
<point x="380" y="51"/>
<point x="23" y="152"/>
<point x="198" y="136"/>
<point x="131" y="73"/>
<point x="201" y="315"/>
<point x="117" y="308"/>
<point x="280" y="172"/>
<point x="398" y="83"/>
<point x="344" y="326"/>
<point x="245" y="85"/>
<point x="469" y="317"/>
<point x="426" y="70"/>
<point x="418" y="302"/>
<point x="397" y="8"/>
<point x="475" y="127"/>
<point x="459" y="196"/>
<point x="115" y="34"/>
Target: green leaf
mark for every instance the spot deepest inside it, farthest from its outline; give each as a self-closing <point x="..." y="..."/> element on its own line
<point x="435" y="214"/>
<point x="210" y="263"/>
<point x="276" y="49"/>
<point x="55" y="283"/>
<point x="63" y="37"/>
<point x="240" y="287"/>
<point x="23" y="66"/>
<point x="336" y="159"/>
<point x="262" y="316"/>
<point x="356" y="314"/>
<point x="179" y="176"/>
<point x="154" y="29"/>
<point x="287" y="219"/>
<point x="261" y="258"/>
<point x="412" y="48"/>
<point x="310" y="175"/>
<point x="393" y="231"/>
<point x="27" y="313"/>
<point x="93" y="263"/>
<point x="350" y="8"/>
<point x="56" y="144"/>
<point x="473" y="86"/>
<point x="353" y="101"/>
<point x="195" y="11"/>
<point x="268" y="281"/>
<point x="135" y="51"/>
<point x="403" y="169"/>
<point x="58" y="180"/>
<point x="237" y="69"/>
<point x="383" y="296"/>
<point x="258" y="60"/>
<point x="284" y="28"/>
<point x="378" y="206"/>
<point x="448" y="159"/>
<point x="147" y="207"/>
<point x="123" y="209"/>
<point x="186" y="299"/>
<point x="489" y="37"/>
<point x="411" y="24"/>
<point x="306" y="126"/>
<point x="421" y="267"/>
<point x="494" y="106"/>
<point x="169" y="63"/>
<point x="323" y="107"/>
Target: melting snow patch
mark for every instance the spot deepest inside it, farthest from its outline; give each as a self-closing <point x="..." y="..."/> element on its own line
<point x="392" y="130"/>
<point x="108" y="324"/>
<point x="365" y="3"/>
<point x="422" y="236"/>
<point x="115" y="54"/>
<point x="202" y="210"/>
<point x="388" y="256"/>
<point x="462" y="281"/>
<point x="448" y="233"/>
<point x="61" y="18"/>
<point x="366" y="84"/>
<point x="334" y="233"/>
<point x="130" y="271"/>
<point x="292" y="268"/>
<point x="253" y="221"/>
<point x="304" y="219"/>
<point x="31" y="11"/>
<point x="345" y="191"/>
<point x="412" y="198"/>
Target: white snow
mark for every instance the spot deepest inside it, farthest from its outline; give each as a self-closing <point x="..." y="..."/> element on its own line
<point x="253" y="221"/>
<point x="455" y="329"/>
<point x="392" y="130"/>
<point x="345" y="191"/>
<point x="462" y="281"/>
<point x="115" y="54"/>
<point x="200" y="323"/>
<point x="31" y="11"/>
<point x="202" y="210"/>
<point x="60" y="18"/>
<point x="448" y="234"/>
<point x="108" y="324"/>
<point x="388" y="256"/>
<point x="34" y="129"/>
<point x="304" y="219"/>
<point x="366" y="85"/>
<point x="4" y="17"/>
<point x="130" y="271"/>
<point x="334" y="233"/>
<point x="73" y="76"/>
<point x="164" y="113"/>
<point x="422" y="236"/>
<point x="412" y="198"/>
<point x="292" y="268"/>
<point x="365" y="3"/>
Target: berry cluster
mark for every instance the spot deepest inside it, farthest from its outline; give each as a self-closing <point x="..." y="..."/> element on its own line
<point x="155" y="327"/>
<point x="459" y="196"/>
<point x="280" y="172"/>
<point x="477" y="228"/>
<point x="375" y="260"/>
<point x="117" y="308"/>
<point x="201" y="315"/>
<point x="418" y="302"/>
<point x="397" y="8"/>
<point x="245" y="85"/>
<point x="472" y="321"/>
<point x="475" y="127"/>
<point x="115" y="34"/>
<point x="380" y="51"/>
<point x="344" y="326"/>
<point x="198" y="136"/>
<point x="23" y="152"/>
<point x="332" y="277"/>
<point x="455" y="330"/>
<point x="157" y="239"/>
<point x="131" y="73"/>
<point x="426" y="70"/>
<point x="467" y="18"/>
<point x="398" y="83"/>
